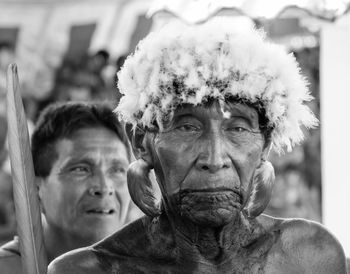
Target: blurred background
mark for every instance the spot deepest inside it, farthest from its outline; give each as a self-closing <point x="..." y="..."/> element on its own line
<point x="70" y="50"/>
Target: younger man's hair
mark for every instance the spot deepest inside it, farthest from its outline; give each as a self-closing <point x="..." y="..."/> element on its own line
<point x="59" y="121"/>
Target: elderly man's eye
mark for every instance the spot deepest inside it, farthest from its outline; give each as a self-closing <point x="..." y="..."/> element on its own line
<point x="238" y="129"/>
<point x="187" y="128"/>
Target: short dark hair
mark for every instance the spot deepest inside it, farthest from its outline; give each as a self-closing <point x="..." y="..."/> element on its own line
<point x="61" y="120"/>
<point x="103" y="53"/>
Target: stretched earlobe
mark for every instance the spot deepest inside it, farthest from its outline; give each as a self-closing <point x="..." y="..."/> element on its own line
<point x="140" y="188"/>
<point x="138" y="139"/>
<point x="260" y="194"/>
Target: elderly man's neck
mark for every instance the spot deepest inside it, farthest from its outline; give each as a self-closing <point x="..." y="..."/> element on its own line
<point x="214" y="243"/>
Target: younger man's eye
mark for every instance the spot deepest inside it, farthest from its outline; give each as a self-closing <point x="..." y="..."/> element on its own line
<point x="118" y="170"/>
<point x="80" y="169"/>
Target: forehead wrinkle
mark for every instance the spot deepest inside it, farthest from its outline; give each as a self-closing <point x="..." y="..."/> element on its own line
<point x="81" y="159"/>
<point x="242" y="110"/>
<point x="116" y="162"/>
<point x="91" y="154"/>
<point x="97" y="156"/>
<point x="198" y="111"/>
<point x="235" y="110"/>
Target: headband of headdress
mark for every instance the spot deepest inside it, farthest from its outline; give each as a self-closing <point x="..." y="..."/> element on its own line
<point x="188" y="64"/>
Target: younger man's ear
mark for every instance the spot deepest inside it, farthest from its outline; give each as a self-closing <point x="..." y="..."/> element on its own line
<point x="39" y="183"/>
<point x="138" y="140"/>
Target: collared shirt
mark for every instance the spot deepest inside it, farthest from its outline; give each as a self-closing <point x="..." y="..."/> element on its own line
<point x="10" y="258"/>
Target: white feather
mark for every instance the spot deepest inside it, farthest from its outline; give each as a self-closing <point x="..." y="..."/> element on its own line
<point x="215" y="59"/>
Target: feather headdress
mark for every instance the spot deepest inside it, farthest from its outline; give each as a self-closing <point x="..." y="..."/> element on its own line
<point x="189" y="64"/>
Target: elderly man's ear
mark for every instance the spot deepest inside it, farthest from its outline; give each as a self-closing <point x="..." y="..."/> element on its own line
<point x="138" y="140"/>
<point x="266" y="149"/>
<point x="139" y="183"/>
<point x="261" y="186"/>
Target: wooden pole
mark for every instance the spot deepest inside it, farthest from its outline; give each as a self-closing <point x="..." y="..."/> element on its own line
<point x="27" y="208"/>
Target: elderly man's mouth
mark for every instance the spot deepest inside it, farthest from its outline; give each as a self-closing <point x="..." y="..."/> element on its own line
<point x="213" y="194"/>
<point x="210" y="206"/>
<point x="203" y="182"/>
<point x="210" y="199"/>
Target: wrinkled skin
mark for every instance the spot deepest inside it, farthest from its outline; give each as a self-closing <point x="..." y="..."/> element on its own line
<point x="204" y="160"/>
<point x="208" y="162"/>
<point x="141" y="188"/>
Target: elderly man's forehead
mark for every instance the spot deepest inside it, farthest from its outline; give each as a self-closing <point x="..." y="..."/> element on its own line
<point x="228" y="109"/>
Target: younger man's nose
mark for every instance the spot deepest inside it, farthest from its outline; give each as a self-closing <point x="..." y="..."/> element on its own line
<point x="102" y="186"/>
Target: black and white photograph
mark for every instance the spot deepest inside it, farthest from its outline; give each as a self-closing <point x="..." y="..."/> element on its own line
<point x="174" y="136"/>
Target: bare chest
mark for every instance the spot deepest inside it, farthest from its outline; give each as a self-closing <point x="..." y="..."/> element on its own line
<point x="254" y="264"/>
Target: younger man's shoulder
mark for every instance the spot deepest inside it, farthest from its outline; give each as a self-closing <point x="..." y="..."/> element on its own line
<point x="77" y="261"/>
<point x="310" y="246"/>
<point x="127" y="242"/>
<point x="10" y="258"/>
<point x="105" y="254"/>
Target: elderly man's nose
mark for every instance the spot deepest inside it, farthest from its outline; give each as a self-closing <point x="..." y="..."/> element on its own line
<point x="213" y="156"/>
<point x="101" y="187"/>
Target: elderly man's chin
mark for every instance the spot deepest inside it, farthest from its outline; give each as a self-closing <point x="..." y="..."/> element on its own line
<point x="211" y="218"/>
<point x="209" y="208"/>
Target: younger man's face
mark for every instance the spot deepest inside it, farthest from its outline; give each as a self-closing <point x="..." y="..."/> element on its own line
<point x="85" y="194"/>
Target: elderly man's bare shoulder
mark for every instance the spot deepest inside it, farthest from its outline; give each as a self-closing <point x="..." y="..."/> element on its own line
<point x="303" y="246"/>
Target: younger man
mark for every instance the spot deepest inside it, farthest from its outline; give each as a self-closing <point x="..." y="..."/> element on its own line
<point x="80" y="156"/>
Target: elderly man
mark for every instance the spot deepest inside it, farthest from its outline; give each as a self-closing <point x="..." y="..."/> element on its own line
<point x="80" y="156"/>
<point x="204" y="104"/>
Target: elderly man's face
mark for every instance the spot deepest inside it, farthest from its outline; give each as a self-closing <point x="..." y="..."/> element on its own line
<point x="205" y="158"/>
